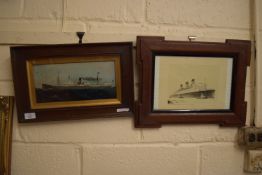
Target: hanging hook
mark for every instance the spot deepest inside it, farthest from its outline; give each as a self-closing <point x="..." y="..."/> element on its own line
<point x="192" y="38"/>
<point x="80" y="36"/>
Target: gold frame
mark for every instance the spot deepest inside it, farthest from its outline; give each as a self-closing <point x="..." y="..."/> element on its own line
<point x="6" y="113"/>
<point x="56" y="60"/>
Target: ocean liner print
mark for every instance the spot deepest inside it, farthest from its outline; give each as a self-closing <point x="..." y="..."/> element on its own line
<point x="192" y="83"/>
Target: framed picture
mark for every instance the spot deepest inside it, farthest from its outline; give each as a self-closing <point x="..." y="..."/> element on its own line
<point x="6" y="123"/>
<point x="59" y="82"/>
<point x="191" y="82"/>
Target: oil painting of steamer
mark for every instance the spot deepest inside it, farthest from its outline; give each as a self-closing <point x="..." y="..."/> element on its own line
<point x="74" y="81"/>
<point x="193" y="89"/>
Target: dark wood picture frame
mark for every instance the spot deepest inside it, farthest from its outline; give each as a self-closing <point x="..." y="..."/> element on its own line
<point x="148" y="50"/>
<point x="38" y="101"/>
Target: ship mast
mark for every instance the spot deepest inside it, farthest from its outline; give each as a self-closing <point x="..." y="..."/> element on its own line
<point x="58" y="78"/>
<point x="97" y="77"/>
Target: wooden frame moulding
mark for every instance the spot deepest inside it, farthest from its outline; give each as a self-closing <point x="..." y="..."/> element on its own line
<point x="73" y="81"/>
<point x="214" y="76"/>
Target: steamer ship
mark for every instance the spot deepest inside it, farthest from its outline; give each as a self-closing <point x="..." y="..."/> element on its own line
<point x="194" y="90"/>
<point x="82" y="83"/>
<point x="81" y="88"/>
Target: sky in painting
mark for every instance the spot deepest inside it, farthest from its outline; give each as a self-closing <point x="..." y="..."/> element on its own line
<point x="69" y="73"/>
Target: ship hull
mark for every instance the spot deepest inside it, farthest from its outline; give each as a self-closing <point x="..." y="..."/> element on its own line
<point x="44" y="95"/>
<point x="197" y="94"/>
<point x="68" y="87"/>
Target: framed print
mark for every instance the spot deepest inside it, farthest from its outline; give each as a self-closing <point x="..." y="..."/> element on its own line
<point x="59" y="82"/>
<point x="191" y="82"/>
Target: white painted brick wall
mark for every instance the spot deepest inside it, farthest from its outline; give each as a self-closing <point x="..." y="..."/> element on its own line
<point x="189" y="134"/>
<point x="105" y="10"/>
<point x="260" y="14"/>
<point x="113" y="146"/>
<point x="140" y="159"/>
<point x="226" y="159"/>
<point x="5" y="64"/>
<point x="43" y="9"/>
<point x="204" y="13"/>
<point x="11" y="9"/>
<point x="43" y="159"/>
<point x="85" y="131"/>
<point x="25" y="25"/>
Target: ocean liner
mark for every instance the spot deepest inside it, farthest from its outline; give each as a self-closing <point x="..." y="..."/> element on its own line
<point x="193" y="90"/>
<point x="81" y="88"/>
<point x="82" y="83"/>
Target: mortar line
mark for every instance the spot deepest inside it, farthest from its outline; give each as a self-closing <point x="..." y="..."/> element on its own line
<point x="6" y="80"/>
<point x="21" y="136"/>
<point x="145" y="12"/>
<point x="199" y="160"/>
<point x="124" y="19"/>
<point x="64" y="4"/>
<point x="207" y="143"/>
<point x="47" y="143"/>
<point x="22" y="6"/>
<point x="149" y="24"/>
<point x="19" y="132"/>
<point x="81" y="160"/>
<point x="92" y="144"/>
<point x="142" y="137"/>
<point x="129" y="144"/>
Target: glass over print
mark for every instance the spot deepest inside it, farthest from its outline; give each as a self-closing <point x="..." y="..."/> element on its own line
<point x="83" y="81"/>
<point x="192" y="83"/>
